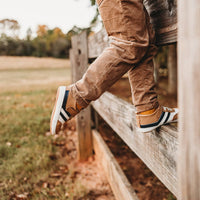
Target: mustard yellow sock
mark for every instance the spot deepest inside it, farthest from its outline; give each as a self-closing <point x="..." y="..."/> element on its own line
<point x="148" y="112"/>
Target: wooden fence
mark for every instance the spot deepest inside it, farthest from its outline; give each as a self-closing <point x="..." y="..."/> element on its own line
<point x="158" y="149"/>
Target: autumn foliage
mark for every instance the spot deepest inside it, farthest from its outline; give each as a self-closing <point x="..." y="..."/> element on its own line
<point x="47" y="42"/>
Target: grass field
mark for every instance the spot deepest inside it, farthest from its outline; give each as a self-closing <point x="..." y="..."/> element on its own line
<point x="18" y="73"/>
<point x="13" y="62"/>
<point x="27" y="155"/>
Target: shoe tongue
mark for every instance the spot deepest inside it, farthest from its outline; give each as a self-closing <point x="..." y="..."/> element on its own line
<point x="71" y="102"/>
<point x="166" y="109"/>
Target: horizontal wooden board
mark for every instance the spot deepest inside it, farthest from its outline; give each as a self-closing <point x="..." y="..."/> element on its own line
<point x="120" y="185"/>
<point x="157" y="149"/>
<point x="163" y="14"/>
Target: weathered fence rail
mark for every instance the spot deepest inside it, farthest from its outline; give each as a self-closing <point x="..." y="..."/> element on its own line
<point x="157" y="149"/>
<point x="163" y="15"/>
<point x="122" y="189"/>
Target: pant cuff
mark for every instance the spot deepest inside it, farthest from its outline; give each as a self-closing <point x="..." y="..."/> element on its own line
<point x="75" y="93"/>
<point x="149" y="106"/>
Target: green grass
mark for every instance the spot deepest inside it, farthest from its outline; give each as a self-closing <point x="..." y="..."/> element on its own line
<point x="24" y="148"/>
<point x="26" y="159"/>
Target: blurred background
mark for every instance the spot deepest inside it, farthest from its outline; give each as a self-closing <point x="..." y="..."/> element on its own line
<point x="35" y="39"/>
<point x="43" y="28"/>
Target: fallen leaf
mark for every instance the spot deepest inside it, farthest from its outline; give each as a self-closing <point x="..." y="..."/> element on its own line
<point x="28" y="105"/>
<point x="55" y="175"/>
<point x="67" y="194"/>
<point x="22" y="196"/>
<point x="58" y="182"/>
<point x="8" y="144"/>
<point x="148" y="184"/>
<point x="18" y="95"/>
<point x="45" y="185"/>
<point x="73" y="128"/>
<point x="48" y="133"/>
<point x="60" y="143"/>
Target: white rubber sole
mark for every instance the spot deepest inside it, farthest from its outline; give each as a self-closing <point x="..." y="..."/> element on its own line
<point x="57" y="108"/>
<point x="162" y="122"/>
<point x="147" y="130"/>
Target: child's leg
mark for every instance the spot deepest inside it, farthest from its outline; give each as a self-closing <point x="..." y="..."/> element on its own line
<point x="150" y="114"/>
<point x="142" y="83"/>
<point x="127" y="25"/>
<point x="141" y="76"/>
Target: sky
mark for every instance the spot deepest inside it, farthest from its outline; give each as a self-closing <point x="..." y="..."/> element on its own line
<point x="53" y="13"/>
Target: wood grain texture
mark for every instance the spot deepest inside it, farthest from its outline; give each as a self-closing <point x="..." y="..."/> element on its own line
<point x="121" y="188"/>
<point x="72" y="56"/>
<point x="189" y="100"/>
<point x="172" y="69"/>
<point x="157" y="149"/>
<point x="97" y="43"/>
<point x="79" y="62"/>
<point x="163" y="14"/>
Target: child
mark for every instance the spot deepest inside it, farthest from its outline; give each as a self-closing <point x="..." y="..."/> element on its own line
<point x="131" y="50"/>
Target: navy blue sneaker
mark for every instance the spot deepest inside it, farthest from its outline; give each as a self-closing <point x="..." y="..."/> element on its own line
<point x="64" y="109"/>
<point x="162" y="115"/>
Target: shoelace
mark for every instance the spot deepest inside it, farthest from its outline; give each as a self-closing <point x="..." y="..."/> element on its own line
<point x="166" y="109"/>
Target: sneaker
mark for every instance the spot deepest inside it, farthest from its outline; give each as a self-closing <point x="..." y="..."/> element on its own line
<point x="162" y="115"/>
<point x="64" y="109"/>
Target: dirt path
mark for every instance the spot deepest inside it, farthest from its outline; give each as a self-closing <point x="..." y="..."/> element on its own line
<point x="88" y="174"/>
<point x="146" y="185"/>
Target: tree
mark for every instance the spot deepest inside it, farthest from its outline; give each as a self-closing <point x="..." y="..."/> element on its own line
<point x="9" y="27"/>
<point x="95" y="18"/>
<point x="28" y="34"/>
<point x="42" y="30"/>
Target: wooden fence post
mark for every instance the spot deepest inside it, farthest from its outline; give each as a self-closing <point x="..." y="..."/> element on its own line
<point x="79" y="63"/>
<point x="172" y="69"/>
<point x="156" y="70"/>
<point x="189" y="99"/>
